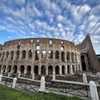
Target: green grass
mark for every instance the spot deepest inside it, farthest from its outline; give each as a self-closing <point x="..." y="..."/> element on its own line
<point x="7" y="93"/>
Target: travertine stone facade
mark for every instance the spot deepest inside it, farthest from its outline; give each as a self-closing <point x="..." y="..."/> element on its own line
<point x="40" y="56"/>
<point x="88" y="56"/>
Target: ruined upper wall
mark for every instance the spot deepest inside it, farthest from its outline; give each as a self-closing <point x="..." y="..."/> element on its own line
<point x="38" y="41"/>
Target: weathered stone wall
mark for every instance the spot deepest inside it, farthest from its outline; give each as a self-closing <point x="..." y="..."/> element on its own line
<point x="88" y="56"/>
<point x="41" y="56"/>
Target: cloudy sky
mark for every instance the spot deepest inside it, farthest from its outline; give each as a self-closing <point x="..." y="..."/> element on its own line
<point x="64" y="19"/>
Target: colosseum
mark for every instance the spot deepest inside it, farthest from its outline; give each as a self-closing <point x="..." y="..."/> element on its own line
<point x="41" y="56"/>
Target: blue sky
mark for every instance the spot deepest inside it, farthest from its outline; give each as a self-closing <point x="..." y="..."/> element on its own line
<point x="64" y="19"/>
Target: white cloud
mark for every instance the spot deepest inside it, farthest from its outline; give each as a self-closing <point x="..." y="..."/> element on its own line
<point x="51" y="18"/>
<point x="59" y="25"/>
<point x="78" y="38"/>
<point x="19" y="2"/>
<point x="96" y="10"/>
<point x="79" y="11"/>
<point x="2" y="27"/>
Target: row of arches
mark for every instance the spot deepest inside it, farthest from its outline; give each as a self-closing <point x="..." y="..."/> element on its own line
<point x="19" y="55"/>
<point x="42" y="70"/>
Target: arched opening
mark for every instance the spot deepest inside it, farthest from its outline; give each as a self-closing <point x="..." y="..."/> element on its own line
<point x="30" y="53"/>
<point x="3" y="55"/>
<point x="50" y="54"/>
<point x="36" y="69"/>
<point x="62" y="48"/>
<point x="82" y="58"/>
<point x="22" y="68"/>
<point x="28" y="69"/>
<point x="68" y="56"/>
<point x="68" y="69"/>
<point x="75" y="57"/>
<point x="63" y="69"/>
<point x="17" y="55"/>
<point x="63" y="56"/>
<point x="50" y="70"/>
<point x="23" y="54"/>
<point x="4" y="68"/>
<point x="7" y="54"/>
<point x="43" y="70"/>
<point x="72" y="56"/>
<point x="12" y="53"/>
<point x="83" y="66"/>
<point x="15" y="69"/>
<point x="36" y="55"/>
<point x="57" y="69"/>
<point x="57" y="54"/>
<point x="9" y="69"/>
<point x="44" y="54"/>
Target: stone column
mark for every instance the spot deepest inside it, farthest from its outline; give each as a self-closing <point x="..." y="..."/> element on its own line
<point x="65" y="57"/>
<point x="60" y="57"/>
<point x="25" y="69"/>
<point x="32" y="70"/>
<point x="66" y="71"/>
<point x="12" y="69"/>
<point x="18" y="69"/>
<point x="27" y="55"/>
<point x="20" y="56"/>
<point x="6" y="69"/>
<point x="46" y="70"/>
<point x="54" y="69"/>
<point x="53" y="56"/>
<point x="33" y="56"/>
<point x="53" y="76"/>
<point x="71" y="71"/>
<point x="60" y="69"/>
<point x="70" y="58"/>
<point x="14" y="56"/>
<point x="74" y="57"/>
<point x="40" y="55"/>
<point x="39" y="70"/>
<point x="9" y="57"/>
<point x="4" y="57"/>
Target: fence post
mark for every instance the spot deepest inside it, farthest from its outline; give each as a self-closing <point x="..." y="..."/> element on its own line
<point x="0" y="78"/>
<point x="8" y="74"/>
<point x="42" y="84"/>
<point x="14" y="82"/>
<point x="1" y="72"/>
<point x="84" y="78"/>
<point x="93" y="91"/>
<point x="33" y="76"/>
<point x="19" y="74"/>
<point x="53" y="78"/>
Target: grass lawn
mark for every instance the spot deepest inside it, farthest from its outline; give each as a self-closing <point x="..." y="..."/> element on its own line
<point x="7" y="93"/>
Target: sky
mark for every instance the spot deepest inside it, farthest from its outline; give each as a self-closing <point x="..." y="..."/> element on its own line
<point x="63" y="19"/>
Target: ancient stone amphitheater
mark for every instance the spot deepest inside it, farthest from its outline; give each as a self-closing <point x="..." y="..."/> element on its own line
<point x="41" y="56"/>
